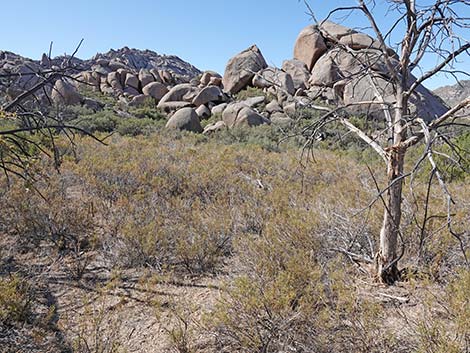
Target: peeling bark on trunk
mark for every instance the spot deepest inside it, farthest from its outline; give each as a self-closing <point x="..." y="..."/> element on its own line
<point x="387" y="264"/>
<point x="387" y="257"/>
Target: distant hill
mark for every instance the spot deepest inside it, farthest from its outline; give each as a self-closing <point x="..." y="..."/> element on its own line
<point x="131" y="59"/>
<point x="454" y="94"/>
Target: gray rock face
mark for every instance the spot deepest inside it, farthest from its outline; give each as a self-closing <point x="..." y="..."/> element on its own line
<point x="114" y="80"/>
<point x="185" y="119"/>
<point x="139" y="100"/>
<point x="182" y="92"/>
<point x="358" y="41"/>
<point x="334" y="31"/>
<point x="134" y="60"/>
<point x="145" y="77"/>
<point x="241" y="69"/>
<point x="325" y="72"/>
<point x="156" y="90"/>
<point x="298" y="71"/>
<point x="309" y="46"/>
<point x="203" y="112"/>
<point x="217" y="126"/>
<point x="453" y="95"/>
<point x="132" y="81"/>
<point x="207" y="76"/>
<point x="273" y="77"/>
<point x="65" y="93"/>
<point x="353" y="69"/>
<point x="239" y="114"/>
<point x="169" y="107"/>
<point x="254" y="101"/>
<point x="218" y="109"/>
<point x="209" y="94"/>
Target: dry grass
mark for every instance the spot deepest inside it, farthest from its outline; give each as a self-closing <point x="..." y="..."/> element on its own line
<point x="203" y="246"/>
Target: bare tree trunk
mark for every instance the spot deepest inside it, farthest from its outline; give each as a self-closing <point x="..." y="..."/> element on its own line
<point x="387" y="258"/>
<point x="387" y="268"/>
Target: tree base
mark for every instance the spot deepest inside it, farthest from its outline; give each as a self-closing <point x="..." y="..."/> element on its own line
<point x="388" y="274"/>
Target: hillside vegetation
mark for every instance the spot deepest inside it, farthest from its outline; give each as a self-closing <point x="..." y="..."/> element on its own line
<point x="185" y="243"/>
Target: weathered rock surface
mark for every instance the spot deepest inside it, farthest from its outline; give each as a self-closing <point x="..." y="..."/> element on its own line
<point x="273" y="77"/>
<point x="65" y="93"/>
<point x="185" y="119"/>
<point x="156" y="90"/>
<point x="325" y="72"/>
<point x="453" y="95"/>
<point x="239" y="114"/>
<point x="217" y="126"/>
<point x="218" y="109"/>
<point x="203" y="112"/>
<point x="309" y="46"/>
<point x="353" y="69"/>
<point x="242" y="68"/>
<point x="334" y="31"/>
<point x="182" y="92"/>
<point x="207" y="76"/>
<point x="209" y="94"/>
<point x="298" y="71"/>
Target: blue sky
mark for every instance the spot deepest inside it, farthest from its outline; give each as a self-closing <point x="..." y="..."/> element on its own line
<point x="205" y="33"/>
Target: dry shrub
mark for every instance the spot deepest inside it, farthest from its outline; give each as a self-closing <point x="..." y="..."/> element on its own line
<point x="16" y="298"/>
<point x="445" y="322"/>
<point x="58" y="219"/>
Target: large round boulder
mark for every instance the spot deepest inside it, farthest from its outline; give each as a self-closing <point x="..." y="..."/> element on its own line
<point x="309" y="46"/>
<point x="239" y="114"/>
<point x="185" y="119"/>
<point x="182" y="92"/>
<point x="209" y="94"/>
<point x="65" y="93"/>
<point x="241" y="69"/>
<point x="325" y="72"/>
<point x="156" y="90"/>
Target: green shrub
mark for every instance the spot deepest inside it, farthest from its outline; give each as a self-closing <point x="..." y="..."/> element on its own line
<point x="147" y="110"/>
<point x="15" y="300"/>
<point x="140" y="126"/>
<point x="103" y="121"/>
<point x="249" y="92"/>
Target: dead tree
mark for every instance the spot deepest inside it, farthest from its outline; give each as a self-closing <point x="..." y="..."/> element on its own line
<point x="420" y="30"/>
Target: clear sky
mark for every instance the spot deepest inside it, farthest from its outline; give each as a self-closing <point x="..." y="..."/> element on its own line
<point x="205" y="33"/>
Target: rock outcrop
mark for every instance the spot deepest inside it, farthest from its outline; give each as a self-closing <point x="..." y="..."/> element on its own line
<point x="124" y="73"/>
<point x="348" y="67"/>
<point x="64" y="92"/>
<point x="309" y="46"/>
<point x="331" y="63"/>
<point x="242" y="68"/>
<point x="453" y="95"/>
<point x="185" y="119"/>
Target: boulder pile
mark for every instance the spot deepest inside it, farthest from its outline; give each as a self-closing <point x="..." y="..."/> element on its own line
<point x="331" y="63"/>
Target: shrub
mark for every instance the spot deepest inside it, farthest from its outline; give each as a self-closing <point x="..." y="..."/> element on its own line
<point x="140" y="126"/>
<point x="249" y="92"/>
<point x="16" y="299"/>
<point x="60" y="218"/>
<point x="445" y="322"/>
<point x="103" y="121"/>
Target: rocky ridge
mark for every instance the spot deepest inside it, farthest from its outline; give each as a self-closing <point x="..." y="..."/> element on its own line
<point x="328" y="65"/>
<point x="454" y="94"/>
